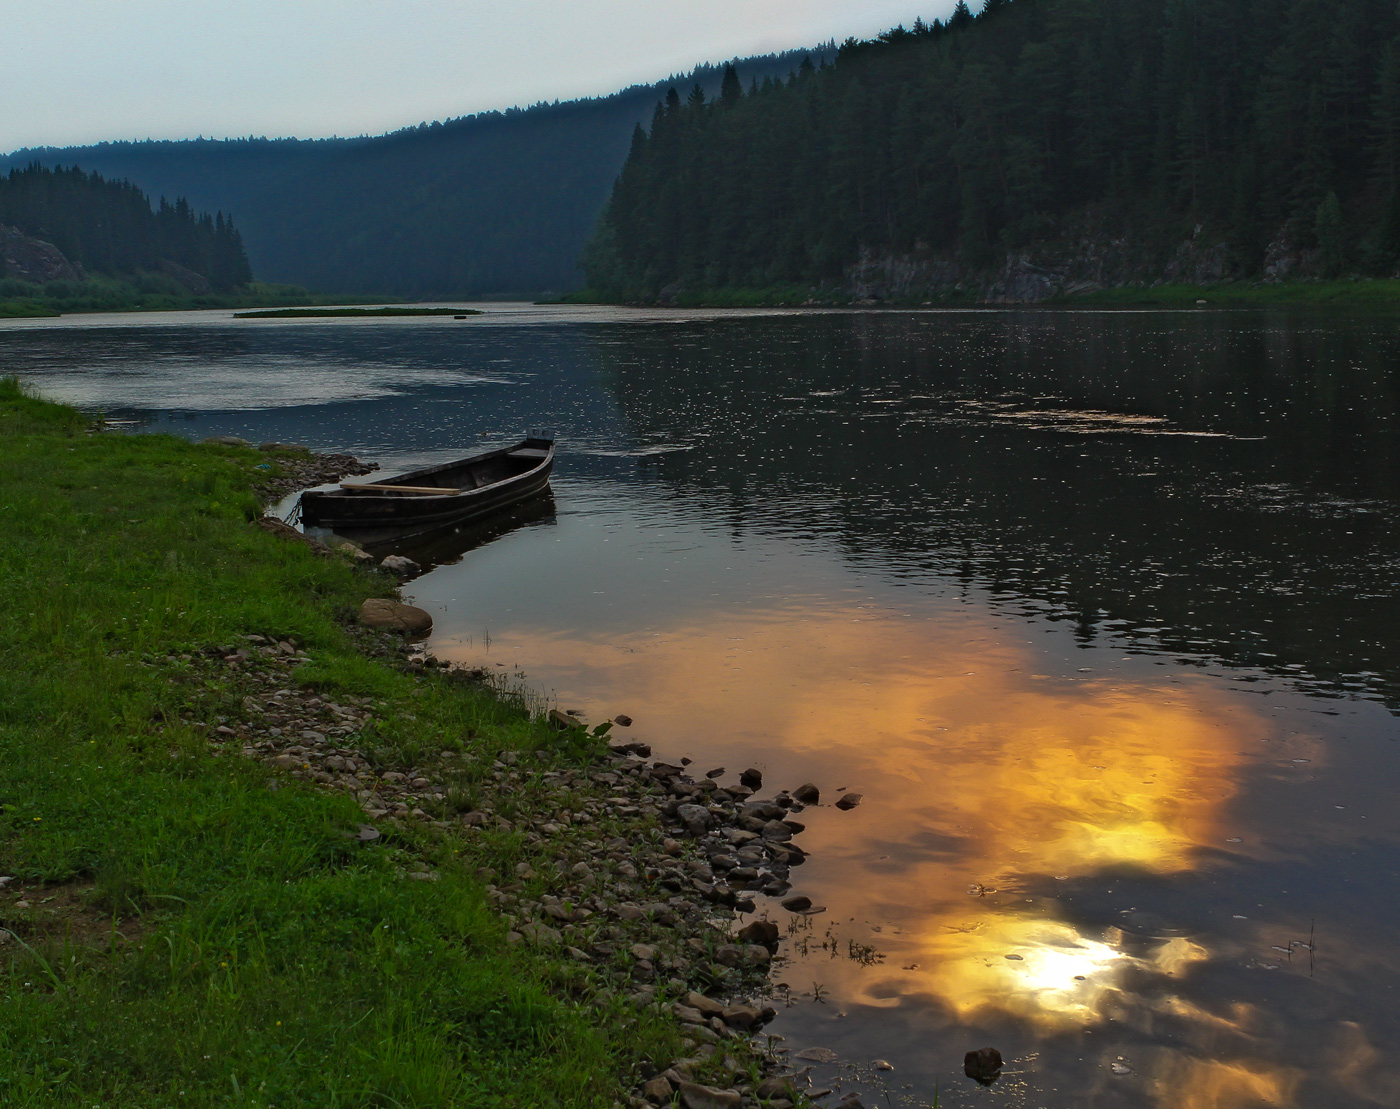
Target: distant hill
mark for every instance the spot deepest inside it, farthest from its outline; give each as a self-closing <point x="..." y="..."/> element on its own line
<point x="1039" y="147"/>
<point x="495" y="203"/>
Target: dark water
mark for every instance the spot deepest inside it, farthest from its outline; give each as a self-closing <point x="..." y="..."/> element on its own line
<point x="1096" y="610"/>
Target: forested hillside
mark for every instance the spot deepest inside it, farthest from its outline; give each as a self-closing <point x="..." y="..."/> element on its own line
<point x="1039" y="146"/>
<point x="500" y="202"/>
<point x="109" y="228"/>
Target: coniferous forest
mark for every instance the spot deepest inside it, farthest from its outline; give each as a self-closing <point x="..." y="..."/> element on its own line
<point x="1138" y="132"/>
<point x="110" y="228"/>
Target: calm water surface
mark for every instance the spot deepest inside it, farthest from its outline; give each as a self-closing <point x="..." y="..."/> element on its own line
<point x="1097" y="610"/>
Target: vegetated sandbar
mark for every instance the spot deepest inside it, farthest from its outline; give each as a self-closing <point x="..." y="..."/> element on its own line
<point x="307" y="313"/>
<point x="245" y="835"/>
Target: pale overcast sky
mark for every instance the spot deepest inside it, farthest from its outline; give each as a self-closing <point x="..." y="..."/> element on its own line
<point x="82" y="71"/>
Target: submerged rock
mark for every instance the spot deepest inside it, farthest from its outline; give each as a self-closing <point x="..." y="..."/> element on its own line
<point x="984" y="1065"/>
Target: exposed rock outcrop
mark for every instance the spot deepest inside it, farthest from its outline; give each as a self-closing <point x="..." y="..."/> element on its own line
<point x="32" y="259"/>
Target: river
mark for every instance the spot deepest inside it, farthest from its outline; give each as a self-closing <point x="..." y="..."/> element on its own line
<point x="1096" y="610"/>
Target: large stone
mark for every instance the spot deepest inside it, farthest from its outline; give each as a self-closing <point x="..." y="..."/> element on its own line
<point x="696" y="818"/>
<point x="751" y="778"/>
<point x="283" y="530"/>
<point x="742" y="1017"/>
<point x="224" y="441"/>
<point x="379" y="612"/>
<point x="694" y="1096"/>
<point x="848" y="801"/>
<point x="658" y="1091"/>
<point x="807" y="793"/>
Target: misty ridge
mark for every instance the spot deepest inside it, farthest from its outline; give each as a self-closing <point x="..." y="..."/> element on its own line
<point x="496" y="203"/>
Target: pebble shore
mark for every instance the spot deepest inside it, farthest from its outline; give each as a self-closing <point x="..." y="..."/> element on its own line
<point x="627" y="865"/>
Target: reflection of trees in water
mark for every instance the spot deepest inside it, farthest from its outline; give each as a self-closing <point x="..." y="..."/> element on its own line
<point x="1252" y="519"/>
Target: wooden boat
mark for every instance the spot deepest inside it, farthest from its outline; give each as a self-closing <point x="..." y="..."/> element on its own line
<point x="438" y="496"/>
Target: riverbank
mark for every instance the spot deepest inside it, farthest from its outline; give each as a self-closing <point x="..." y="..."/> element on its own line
<point x="149" y="293"/>
<point x="1357" y="294"/>
<point x="257" y="855"/>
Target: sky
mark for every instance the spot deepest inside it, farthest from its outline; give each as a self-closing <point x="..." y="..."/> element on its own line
<point x="88" y="70"/>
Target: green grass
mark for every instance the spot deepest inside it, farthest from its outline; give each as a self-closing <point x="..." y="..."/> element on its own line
<point x="146" y="293"/>
<point x="308" y="313"/>
<point x="1349" y="293"/>
<point x="263" y="957"/>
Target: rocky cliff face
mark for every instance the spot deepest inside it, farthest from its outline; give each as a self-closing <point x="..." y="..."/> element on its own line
<point x="32" y="259"/>
<point x="1088" y="254"/>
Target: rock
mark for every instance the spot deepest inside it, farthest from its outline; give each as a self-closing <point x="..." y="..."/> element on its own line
<point x="775" y="1087"/>
<point x="761" y="932"/>
<point x="659" y="1090"/>
<point x="742" y="1017"/>
<point x="562" y="720"/>
<point x="366" y="834"/>
<point x="224" y="441"/>
<point x="707" y="1005"/>
<point x="751" y="778"/>
<point x="645" y="952"/>
<point x="349" y="550"/>
<point x="848" y="801"/>
<point x="730" y="955"/>
<point x="880" y="1064"/>
<point x="717" y="772"/>
<point x="35" y="260"/>
<point x="797" y="904"/>
<point x="756" y="955"/>
<point x="696" y="818"/>
<point x="694" y="1096"/>
<point x="541" y="935"/>
<point x="777" y="831"/>
<point x="400" y="566"/>
<point x="808" y="794"/>
<point x="686" y="1015"/>
<point x="817" y="1055"/>
<point x="622" y="720"/>
<point x="379" y="612"/>
<point x="984" y="1065"/>
<point x="286" y="762"/>
<point x="851" y="1101"/>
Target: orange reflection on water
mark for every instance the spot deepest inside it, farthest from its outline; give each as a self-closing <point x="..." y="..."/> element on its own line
<point x="978" y="773"/>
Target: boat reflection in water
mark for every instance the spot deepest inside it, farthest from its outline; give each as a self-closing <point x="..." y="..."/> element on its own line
<point x="447" y="544"/>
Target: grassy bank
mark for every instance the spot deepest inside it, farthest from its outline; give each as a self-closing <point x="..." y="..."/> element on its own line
<point x="185" y="926"/>
<point x="147" y="293"/>
<point x="1349" y="293"/>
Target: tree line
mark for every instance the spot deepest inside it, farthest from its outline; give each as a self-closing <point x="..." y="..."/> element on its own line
<point x="1250" y="120"/>
<point x="491" y="203"/>
<point x="109" y="227"/>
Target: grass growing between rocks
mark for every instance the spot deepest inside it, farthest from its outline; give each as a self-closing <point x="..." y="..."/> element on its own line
<point x="177" y="932"/>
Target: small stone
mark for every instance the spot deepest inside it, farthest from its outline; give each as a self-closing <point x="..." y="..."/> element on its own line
<point x="366" y="834"/>
<point x="848" y="801"/>
<point x="707" y="1005"/>
<point x="776" y="1087"/>
<point x="776" y="831"/>
<point x="751" y="778"/>
<point x="742" y="1017"/>
<point x="797" y="904"/>
<point x="696" y="818"/>
<point x="817" y="1055"/>
<point x="645" y="952"/>
<point x="983" y="1065"/>
<point x="807" y="793"/>
<point x="286" y="762"/>
<point x="400" y="566"/>
<point x="658" y="1091"/>
<point x="762" y="932"/>
<point x="757" y="956"/>
<point x="851" y="1101"/>
<point x="562" y="720"/>
<point x="224" y="441"/>
<point x="694" y="1096"/>
<point x="686" y="1015"/>
<point x="881" y="1064"/>
<point x="622" y="720"/>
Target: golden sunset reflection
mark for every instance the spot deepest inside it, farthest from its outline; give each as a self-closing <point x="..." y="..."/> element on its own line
<point x="990" y="775"/>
